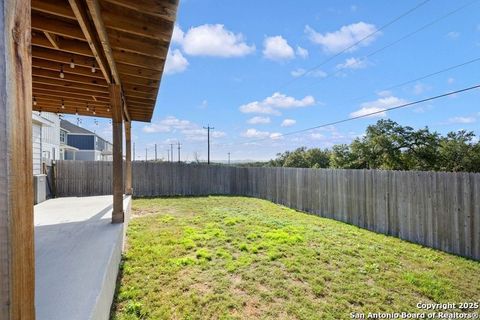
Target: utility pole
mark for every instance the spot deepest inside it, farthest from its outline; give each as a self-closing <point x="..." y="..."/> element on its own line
<point x="168" y="155"/>
<point x="156" y="152"/>
<point x="171" y="151"/>
<point x="208" y="140"/>
<point x="146" y="153"/>
<point x="229" y="158"/>
<point x="134" y="151"/>
<point x="179" y="146"/>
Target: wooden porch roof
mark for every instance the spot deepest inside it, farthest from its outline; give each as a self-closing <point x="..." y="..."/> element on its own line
<point x="79" y="47"/>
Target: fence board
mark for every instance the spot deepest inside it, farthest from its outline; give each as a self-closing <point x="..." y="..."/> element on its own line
<point x="436" y="209"/>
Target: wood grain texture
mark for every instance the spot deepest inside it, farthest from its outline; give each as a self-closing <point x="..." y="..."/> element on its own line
<point x="117" y="128"/>
<point x="17" y="266"/>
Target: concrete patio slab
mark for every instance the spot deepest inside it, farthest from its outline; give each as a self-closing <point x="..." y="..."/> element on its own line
<point x="77" y="255"/>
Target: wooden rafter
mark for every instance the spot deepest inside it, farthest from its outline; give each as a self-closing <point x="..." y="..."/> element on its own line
<point x="53" y="40"/>
<point x="126" y="43"/>
<point x="88" y="30"/>
<point x="95" y="13"/>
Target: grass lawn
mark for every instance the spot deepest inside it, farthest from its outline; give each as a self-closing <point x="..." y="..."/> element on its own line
<point x="243" y="258"/>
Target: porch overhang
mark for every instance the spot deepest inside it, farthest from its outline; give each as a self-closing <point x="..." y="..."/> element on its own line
<point x="80" y="47"/>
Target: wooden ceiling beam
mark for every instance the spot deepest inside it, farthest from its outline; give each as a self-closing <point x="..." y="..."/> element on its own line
<point x="136" y="23"/>
<point x="138" y="60"/>
<point x="72" y="110"/>
<point x="50" y="54"/>
<point x="72" y="105"/>
<point x="57" y="92"/>
<point x="64" y="44"/>
<point x="95" y="12"/>
<point x="54" y="97"/>
<point x="62" y="91"/>
<point x="149" y="47"/>
<point x="163" y="9"/>
<point x="137" y="100"/>
<point x="88" y="29"/>
<point x="67" y="84"/>
<point x="56" y="66"/>
<point x="125" y="69"/>
<point x="53" y="39"/>
<point x="139" y="88"/>
<point x="68" y="77"/>
<point x="57" y="26"/>
<point x="53" y="7"/>
<point x="132" y="80"/>
<point x="143" y="95"/>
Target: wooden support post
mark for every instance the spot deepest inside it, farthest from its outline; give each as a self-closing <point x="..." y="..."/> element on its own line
<point x="17" y="255"/>
<point x="128" y="158"/>
<point x="117" y="126"/>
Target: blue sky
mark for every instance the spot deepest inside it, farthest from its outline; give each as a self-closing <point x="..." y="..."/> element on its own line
<point x="240" y="66"/>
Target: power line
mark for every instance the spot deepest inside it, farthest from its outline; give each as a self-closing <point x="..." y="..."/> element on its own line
<point x="408" y="35"/>
<point x="404" y="83"/>
<point x="369" y="114"/>
<point x="359" y="41"/>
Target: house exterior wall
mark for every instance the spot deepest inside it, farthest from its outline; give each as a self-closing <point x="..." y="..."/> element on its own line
<point x="37" y="147"/>
<point x="81" y="141"/>
<point x="85" y="155"/>
<point x="51" y="137"/>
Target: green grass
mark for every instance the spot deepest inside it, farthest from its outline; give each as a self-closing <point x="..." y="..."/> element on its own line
<point x="243" y="258"/>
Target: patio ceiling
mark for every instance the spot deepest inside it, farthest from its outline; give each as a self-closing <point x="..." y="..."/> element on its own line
<point x="79" y="47"/>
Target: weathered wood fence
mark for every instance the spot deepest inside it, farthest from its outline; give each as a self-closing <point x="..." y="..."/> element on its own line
<point x="436" y="209"/>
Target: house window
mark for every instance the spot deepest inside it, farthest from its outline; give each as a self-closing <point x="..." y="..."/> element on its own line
<point x="63" y="137"/>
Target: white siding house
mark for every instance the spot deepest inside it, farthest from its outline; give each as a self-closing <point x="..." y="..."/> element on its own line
<point x="45" y="139"/>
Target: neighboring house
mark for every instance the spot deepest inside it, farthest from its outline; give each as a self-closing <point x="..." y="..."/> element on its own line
<point x="82" y="144"/>
<point x="45" y="139"/>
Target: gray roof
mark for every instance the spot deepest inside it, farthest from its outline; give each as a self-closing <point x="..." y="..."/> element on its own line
<point x="71" y="128"/>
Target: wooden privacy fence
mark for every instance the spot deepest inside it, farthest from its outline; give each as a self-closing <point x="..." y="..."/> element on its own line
<point x="436" y="209"/>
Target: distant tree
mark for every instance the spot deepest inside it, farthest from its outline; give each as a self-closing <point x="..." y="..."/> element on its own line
<point x="388" y="145"/>
<point x="317" y="158"/>
<point x="297" y="159"/>
<point x="459" y="152"/>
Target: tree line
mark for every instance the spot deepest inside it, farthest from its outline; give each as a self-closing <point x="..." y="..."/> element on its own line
<point x="390" y="146"/>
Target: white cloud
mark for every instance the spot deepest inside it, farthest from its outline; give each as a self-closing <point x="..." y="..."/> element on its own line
<point x="203" y="105"/>
<point x="277" y="48"/>
<point x="259" y="120"/>
<point x="346" y="36"/>
<point x="462" y="120"/>
<point x="176" y="62"/>
<point x="177" y="35"/>
<point x="352" y="63"/>
<point x="256" y="134"/>
<point x="190" y="130"/>
<point x="276" y="136"/>
<point x="452" y="35"/>
<point x="288" y="122"/>
<point x="450" y="80"/>
<point x="215" y="40"/>
<point x="199" y="134"/>
<point x="168" y="124"/>
<point x="302" y="52"/>
<point x="270" y="105"/>
<point x="384" y="93"/>
<point x="420" y="88"/>
<point x="317" y="136"/>
<point x="313" y="73"/>
<point x="378" y="106"/>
